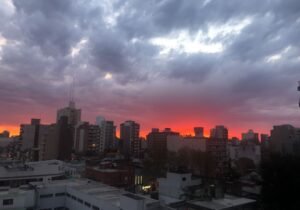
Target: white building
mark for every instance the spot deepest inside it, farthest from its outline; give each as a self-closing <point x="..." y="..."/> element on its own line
<point x="171" y="188"/>
<point x="15" y="173"/>
<point x="175" y="143"/>
<point x="176" y="188"/>
<point x="250" y="151"/>
<point x="75" y="194"/>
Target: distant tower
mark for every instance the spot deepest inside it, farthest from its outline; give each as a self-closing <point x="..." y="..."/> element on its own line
<point x="299" y="90"/>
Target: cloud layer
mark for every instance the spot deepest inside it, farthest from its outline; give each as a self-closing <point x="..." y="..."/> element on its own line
<point x="162" y="63"/>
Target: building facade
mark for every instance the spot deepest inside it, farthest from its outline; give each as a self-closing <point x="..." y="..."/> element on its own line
<point x="130" y="137"/>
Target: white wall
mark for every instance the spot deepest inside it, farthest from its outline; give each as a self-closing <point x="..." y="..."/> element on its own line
<point x="21" y="199"/>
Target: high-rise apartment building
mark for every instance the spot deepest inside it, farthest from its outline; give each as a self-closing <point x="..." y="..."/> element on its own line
<point x="157" y="142"/>
<point x="65" y="138"/>
<point x="217" y="147"/>
<point x="130" y="137"/>
<point x="285" y="139"/>
<point x="87" y="138"/>
<point x="219" y="132"/>
<point x="39" y="141"/>
<point x="107" y="134"/>
<point x="73" y="114"/>
<point x="250" y="137"/>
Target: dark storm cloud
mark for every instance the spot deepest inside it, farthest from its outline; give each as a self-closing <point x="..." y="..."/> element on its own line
<point x="257" y="63"/>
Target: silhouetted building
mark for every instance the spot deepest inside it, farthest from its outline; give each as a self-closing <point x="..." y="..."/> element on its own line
<point x="285" y="139"/>
<point x="199" y="131"/>
<point x="250" y="136"/>
<point x="217" y="147"/>
<point x="177" y="142"/>
<point x="219" y="132"/>
<point x="157" y="142"/>
<point x="4" y="134"/>
<point x="65" y="138"/>
<point x="130" y="137"/>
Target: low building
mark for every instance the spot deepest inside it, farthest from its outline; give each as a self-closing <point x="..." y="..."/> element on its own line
<point x="74" y="194"/>
<point x="15" y="173"/>
<point x="116" y="177"/>
<point x="248" y="150"/>
<point x="181" y="191"/>
<point x="173" y="187"/>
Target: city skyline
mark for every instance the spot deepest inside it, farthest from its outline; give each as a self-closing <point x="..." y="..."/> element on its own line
<point x="160" y="64"/>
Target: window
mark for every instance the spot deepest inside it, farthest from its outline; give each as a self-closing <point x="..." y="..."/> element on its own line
<point x="79" y="200"/>
<point x="59" y="194"/>
<point x="46" y="196"/>
<point x="87" y="204"/>
<point x="73" y="197"/>
<point x="8" y="202"/>
<point x="68" y="194"/>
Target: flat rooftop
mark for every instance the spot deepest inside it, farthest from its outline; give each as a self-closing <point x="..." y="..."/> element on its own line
<point x="219" y="204"/>
<point x="17" y="170"/>
<point x="95" y="190"/>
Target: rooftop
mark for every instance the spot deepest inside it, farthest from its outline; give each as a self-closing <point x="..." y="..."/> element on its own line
<point x="219" y="204"/>
<point x="95" y="190"/>
<point x="9" y="170"/>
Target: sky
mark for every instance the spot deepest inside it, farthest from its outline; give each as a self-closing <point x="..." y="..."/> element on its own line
<point x="162" y="63"/>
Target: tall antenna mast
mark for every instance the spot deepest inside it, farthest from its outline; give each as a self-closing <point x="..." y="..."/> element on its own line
<point x="72" y="87"/>
<point x="299" y="90"/>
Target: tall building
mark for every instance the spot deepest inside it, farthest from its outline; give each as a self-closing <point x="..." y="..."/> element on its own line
<point x="39" y="142"/>
<point x="107" y="134"/>
<point x="73" y="114"/>
<point x="130" y="136"/>
<point x="199" y="132"/>
<point x="250" y="136"/>
<point x="87" y="138"/>
<point x="65" y="138"/>
<point x="157" y="142"/>
<point x="217" y="147"/>
<point x="285" y="139"/>
<point x="219" y="132"/>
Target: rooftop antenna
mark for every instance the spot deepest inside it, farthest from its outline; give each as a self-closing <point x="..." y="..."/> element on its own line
<point x="299" y="90"/>
<point x="72" y="87"/>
